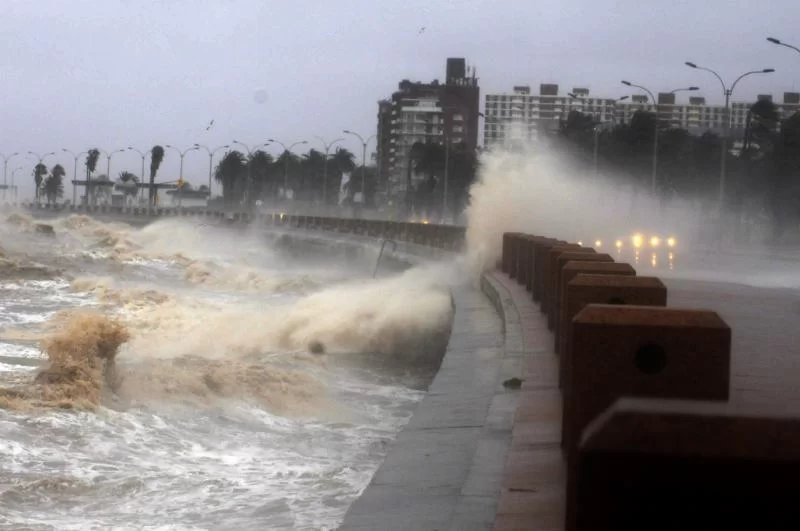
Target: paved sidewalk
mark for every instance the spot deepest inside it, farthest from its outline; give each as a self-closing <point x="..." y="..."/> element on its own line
<point x="445" y="470"/>
<point x="534" y="481"/>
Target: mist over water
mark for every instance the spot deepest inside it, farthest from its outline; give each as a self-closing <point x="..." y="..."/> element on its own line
<point x="540" y="192"/>
<point x="192" y="375"/>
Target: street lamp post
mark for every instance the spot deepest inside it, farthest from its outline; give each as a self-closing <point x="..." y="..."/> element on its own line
<point x="108" y="160"/>
<point x="654" y="175"/>
<point x="143" y="155"/>
<point x="596" y="131"/>
<point x="14" y="186"/>
<point x="287" y="152"/>
<point x="75" y="158"/>
<point x="41" y="161"/>
<point x="773" y="40"/>
<point x="5" y="170"/>
<point x="249" y="169"/>
<point x="328" y="147"/>
<point x="180" y="173"/>
<point x="726" y="121"/>
<point x="363" y="163"/>
<point x="211" y="153"/>
<point x="108" y="166"/>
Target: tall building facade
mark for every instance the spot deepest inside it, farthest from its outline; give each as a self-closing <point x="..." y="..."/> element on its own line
<point x="521" y="116"/>
<point x="426" y="113"/>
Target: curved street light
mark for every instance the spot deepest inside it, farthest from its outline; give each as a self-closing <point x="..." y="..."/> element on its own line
<point x="14" y="186"/>
<point x="5" y="170"/>
<point x="143" y="155"/>
<point x="328" y="146"/>
<point x="363" y="163"/>
<point x="74" y="172"/>
<point x="726" y="120"/>
<point x="108" y="155"/>
<point x="211" y="153"/>
<point x="288" y="151"/>
<point x="654" y="174"/>
<point x="773" y="40"/>
<point x="596" y="130"/>
<point x="180" y="173"/>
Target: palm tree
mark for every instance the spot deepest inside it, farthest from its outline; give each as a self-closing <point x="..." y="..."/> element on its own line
<point x="313" y="164"/>
<point x="127" y="182"/>
<point x="39" y="171"/>
<point x="54" y="184"/>
<point x="156" y="157"/>
<point x="341" y="161"/>
<point x="231" y="173"/>
<point x="92" y="156"/>
<point x="259" y="168"/>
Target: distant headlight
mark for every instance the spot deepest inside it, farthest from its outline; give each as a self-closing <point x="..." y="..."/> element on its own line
<point x="671" y="242"/>
<point x="598" y="243"/>
<point x="618" y="243"/>
<point x="637" y="240"/>
<point x="655" y="241"/>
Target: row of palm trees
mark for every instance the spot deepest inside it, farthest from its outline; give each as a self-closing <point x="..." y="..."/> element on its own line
<point x="258" y="176"/>
<point x="244" y="178"/>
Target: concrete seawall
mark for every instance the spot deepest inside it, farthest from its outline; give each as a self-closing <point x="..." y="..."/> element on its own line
<point x="445" y="469"/>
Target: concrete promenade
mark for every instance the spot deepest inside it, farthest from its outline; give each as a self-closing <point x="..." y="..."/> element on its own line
<point x="444" y="471"/>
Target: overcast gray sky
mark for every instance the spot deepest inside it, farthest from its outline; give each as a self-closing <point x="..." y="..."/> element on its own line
<point x="114" y="73"/>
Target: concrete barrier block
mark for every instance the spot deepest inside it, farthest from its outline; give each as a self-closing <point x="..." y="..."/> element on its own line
<point x="510" y="240"/>
<point x="549" y="265"/>
<point x="524" y="265"/>
<point x="541" y="251"/>
<point x="535" y="244"/>
<point x="642" y="351"/>
<point x="612" y="283"/>
<point x="553" y="307"/>
<point x="568" y="273"/>
<point x="669" y="464"/>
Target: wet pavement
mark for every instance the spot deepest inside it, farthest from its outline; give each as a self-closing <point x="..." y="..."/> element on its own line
<point x="445" y="470"/>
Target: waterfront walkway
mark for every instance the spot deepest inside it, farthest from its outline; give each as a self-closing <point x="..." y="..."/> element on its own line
<point x="445" y="470"/>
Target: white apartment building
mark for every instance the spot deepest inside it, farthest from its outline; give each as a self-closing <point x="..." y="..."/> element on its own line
<point x="522" y="116"/>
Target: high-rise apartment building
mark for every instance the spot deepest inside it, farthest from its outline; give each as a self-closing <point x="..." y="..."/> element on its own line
<point x="522" y="116"/>
<point x="427" y="113"/>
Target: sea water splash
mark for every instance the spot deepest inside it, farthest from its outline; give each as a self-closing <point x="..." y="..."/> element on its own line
<point x="195" y="355"/>
<point x="541" y="192"/>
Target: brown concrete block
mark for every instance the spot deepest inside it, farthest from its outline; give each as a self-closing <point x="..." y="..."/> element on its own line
<point x="524" y="244"/>
<point x="642" y="351"/>
<point x="553" y="306"/>
<point x="541" y="250"/>
<point x="585" y="288"/>
<point x="548" y="264"/>
<point x="514" y="244"/>
<point x="508" y="251"/>
<point x="670" y="464"/>
<point x="569" y="272"/>
<point x="533" y="248"/>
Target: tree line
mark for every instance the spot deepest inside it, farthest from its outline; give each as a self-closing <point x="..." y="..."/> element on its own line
<point x="763" y="167"/>
<point x="245" y="179"/>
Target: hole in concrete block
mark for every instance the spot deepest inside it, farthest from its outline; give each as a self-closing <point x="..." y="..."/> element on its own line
<point x="650" y="358"/>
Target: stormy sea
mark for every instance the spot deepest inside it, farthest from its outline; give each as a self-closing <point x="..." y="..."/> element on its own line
<point x="184" y="375"/>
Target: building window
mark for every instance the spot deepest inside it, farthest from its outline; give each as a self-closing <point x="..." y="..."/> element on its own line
<point x="458" y="129"/>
